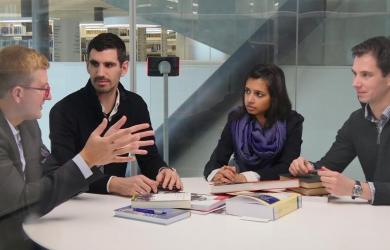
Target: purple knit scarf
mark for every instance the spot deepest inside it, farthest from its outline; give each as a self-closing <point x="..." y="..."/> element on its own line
<point x="255" y="147"/>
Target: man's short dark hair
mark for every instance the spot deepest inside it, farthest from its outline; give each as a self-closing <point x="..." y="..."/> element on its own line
<point x="105" y="41"/>
<point x="379" y="47"/>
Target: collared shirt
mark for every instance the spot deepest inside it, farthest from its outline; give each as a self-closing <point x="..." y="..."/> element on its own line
<point x="78" y="160"/>
<point x="110" y="115"/>
<point x="82" y="165"/>
<point x="18" y="141"/>
<point x="114" y="109"/>
<point x="380" y="124"/>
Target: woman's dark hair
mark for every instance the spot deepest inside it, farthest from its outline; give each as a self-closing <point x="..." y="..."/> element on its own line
<point x="280" y="106"/>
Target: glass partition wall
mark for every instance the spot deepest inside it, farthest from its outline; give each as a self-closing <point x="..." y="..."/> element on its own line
<point x="217" y="42"/>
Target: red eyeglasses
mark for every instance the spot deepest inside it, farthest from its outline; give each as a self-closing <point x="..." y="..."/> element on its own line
<point x="46" y="89"/>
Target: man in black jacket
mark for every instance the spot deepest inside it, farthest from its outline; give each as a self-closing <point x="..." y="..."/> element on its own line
<point x="366" y="134"/>
<point x="75" y="116"/>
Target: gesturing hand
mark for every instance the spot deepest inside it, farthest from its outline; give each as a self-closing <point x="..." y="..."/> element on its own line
<point x="101" y="150"/>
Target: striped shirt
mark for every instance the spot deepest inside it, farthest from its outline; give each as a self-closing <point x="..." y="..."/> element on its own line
<point x="380" y="123"/>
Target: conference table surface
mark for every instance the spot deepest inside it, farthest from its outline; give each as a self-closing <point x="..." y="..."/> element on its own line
<point x="87" y="222"/>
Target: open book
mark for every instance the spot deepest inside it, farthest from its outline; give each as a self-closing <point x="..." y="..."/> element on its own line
<point x="253" y="186"/>
<point x="207" y="202"/>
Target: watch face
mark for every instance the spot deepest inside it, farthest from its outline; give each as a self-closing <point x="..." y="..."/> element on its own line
<point x="357" y="190"/>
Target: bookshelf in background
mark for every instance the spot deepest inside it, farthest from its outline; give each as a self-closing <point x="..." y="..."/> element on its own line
<point x="148" y="39"/>
<point x="87" y="33"/>
<point x="19" y="32"/>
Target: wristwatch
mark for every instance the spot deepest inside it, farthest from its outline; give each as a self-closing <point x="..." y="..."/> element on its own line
<point x="357" y="190"/>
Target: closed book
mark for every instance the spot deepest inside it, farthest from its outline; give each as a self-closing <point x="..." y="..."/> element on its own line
<point x="253" y="186"/>
<point x="163" y="200"/>
<point x="307" y="181"/>
<point x="310" y="191"/>
<point x="163" y="216"/>
<point x="264" y="206"/>
<point x="207" y="202"/>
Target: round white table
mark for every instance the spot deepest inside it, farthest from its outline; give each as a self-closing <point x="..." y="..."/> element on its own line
<point x="87" y="222"/>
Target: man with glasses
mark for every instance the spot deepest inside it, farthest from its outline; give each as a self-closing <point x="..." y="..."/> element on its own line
<point x="366" y="133"/>
<point x="75" y="116"/>
<point x="30" y="179"/>
<point x="46" y="90"/>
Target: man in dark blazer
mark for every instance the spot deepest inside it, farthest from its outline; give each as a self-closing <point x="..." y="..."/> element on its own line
<point x="73" y="118"/>
<point x="366" y="133"/>
<point x="30" y="179"/>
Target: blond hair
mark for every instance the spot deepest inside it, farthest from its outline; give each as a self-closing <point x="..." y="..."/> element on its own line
<point x="17" y="64"/>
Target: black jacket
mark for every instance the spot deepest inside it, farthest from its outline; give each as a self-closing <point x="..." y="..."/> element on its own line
<point x="359" y="138"/>
<point x="281" y="163"/>
<point x="75" y="117"/>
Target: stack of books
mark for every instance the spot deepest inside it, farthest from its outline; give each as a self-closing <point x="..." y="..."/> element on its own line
<point x="308" y="185"/>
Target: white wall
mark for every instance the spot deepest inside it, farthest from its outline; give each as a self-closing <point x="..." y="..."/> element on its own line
<point x="325" y="98"/>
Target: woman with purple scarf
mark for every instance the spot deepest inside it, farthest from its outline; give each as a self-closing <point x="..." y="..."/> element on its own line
<point x="264" y="135"/>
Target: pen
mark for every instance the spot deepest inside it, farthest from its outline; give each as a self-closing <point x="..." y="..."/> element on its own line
<point x="149" y="211"/>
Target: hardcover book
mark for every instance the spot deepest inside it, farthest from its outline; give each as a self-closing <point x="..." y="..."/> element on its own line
<point x="253" y="186"/>
<point x="163" y="216"/>
<point x="310" y="191"/>
<point x="163" y="200"/>
<point x="264" y="205"/>
<point x="308" y="184"/>
<point x="306" y="181"/>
